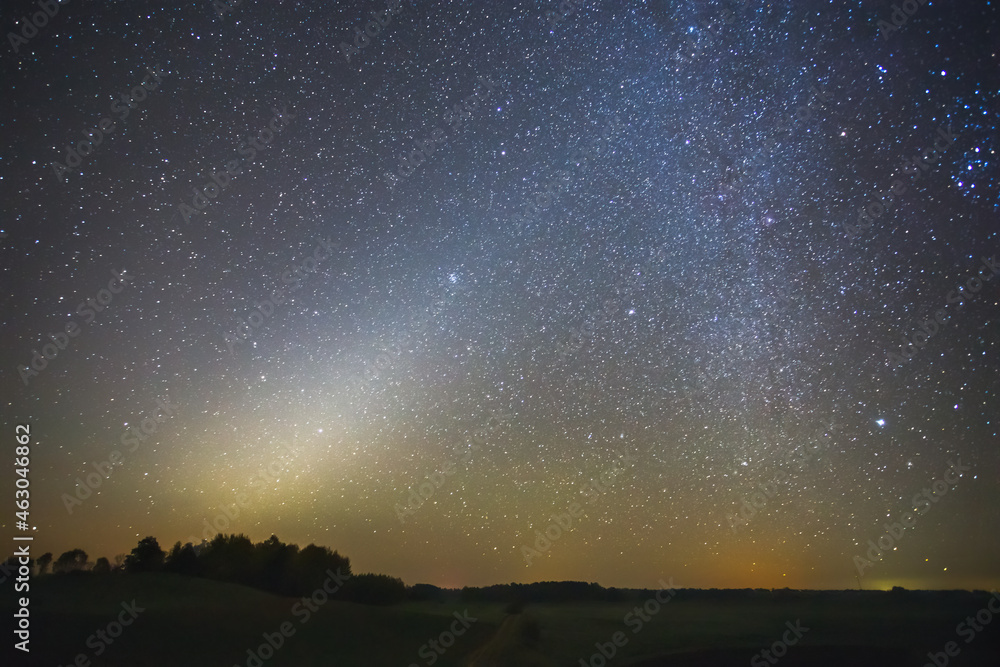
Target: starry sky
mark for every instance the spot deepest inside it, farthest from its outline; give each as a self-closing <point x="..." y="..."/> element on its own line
<point x="597" y="274"/>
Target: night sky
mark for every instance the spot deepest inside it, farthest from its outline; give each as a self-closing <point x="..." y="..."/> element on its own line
<point x="606" y="266"/>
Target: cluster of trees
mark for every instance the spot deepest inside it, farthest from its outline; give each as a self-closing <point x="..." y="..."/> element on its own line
<point x="74" y="560"/>
<point x="271" y="565"/>
<point x="285" y="569"/>
<point x="543" y="591"/>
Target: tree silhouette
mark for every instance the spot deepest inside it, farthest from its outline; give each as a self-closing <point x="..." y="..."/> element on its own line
<point x="13" y="563"/>
<point x="146" y="557"/>
<point x="311" y="566"/>
<point x="273" y="565"/>
<point x="183" y="560"/>
<point x="228" y="558"/>
<point x="270" y="565"/>
<point x="380" y="589"/>
<point x="74" y="560"/>
<point x="44" y="561"/>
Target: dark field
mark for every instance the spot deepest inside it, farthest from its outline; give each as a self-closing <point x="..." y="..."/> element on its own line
<point x="191" y="621"/>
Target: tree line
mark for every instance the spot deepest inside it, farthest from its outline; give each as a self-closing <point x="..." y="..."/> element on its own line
<point x="286" y="569"/>
<point x="270" y="565"/>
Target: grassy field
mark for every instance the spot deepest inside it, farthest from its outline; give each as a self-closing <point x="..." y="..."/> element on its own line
<point x="188" y="621"/>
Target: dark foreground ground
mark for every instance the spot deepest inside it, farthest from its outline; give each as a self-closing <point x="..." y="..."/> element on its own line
<point x="194" y="622"/>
